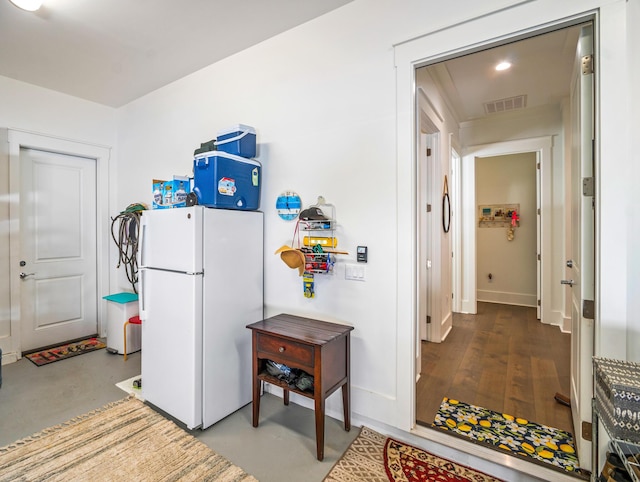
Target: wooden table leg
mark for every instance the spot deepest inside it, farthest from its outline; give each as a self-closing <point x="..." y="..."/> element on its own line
<point x="256" y="386"/>
<point x="319" y="410"/>
<point x="256" y="401"/>
<point x="345" y="406"/>
<point x="286" y="396"/>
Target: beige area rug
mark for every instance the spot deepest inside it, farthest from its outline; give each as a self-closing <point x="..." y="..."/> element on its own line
<point x="125" y="440"/>
<point x="373" y="457"/>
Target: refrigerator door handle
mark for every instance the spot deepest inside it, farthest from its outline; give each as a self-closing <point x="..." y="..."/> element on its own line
<point x="177" y="271"/>
<point x="141" y="303"/>
<point x="143" y="230"/>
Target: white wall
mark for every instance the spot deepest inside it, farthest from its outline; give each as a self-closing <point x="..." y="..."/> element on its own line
<point x="322" y="100"/>
<point x="5" y="285"/>
<point x="43" y="111"/>
<point x="630" y="130"/>
<point x="616" y="262"/>
<point x="34" y="109"/>
<point x="322" y="97"/>
<point x="509" y="179"/>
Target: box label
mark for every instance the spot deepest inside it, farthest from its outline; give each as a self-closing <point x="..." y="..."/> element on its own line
<point x="227" y="186"/>
<point x="171" y="194"/>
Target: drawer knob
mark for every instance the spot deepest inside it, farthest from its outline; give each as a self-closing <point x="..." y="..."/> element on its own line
<point x="281" y="349"/>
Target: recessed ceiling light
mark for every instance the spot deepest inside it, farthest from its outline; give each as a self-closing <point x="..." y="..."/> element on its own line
<point x="29" y="5"/>
<point x="503" y="66"/>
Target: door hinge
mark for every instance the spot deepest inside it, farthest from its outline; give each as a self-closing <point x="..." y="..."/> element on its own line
<point x="428" y="320"/>
<point x="428" y="208"/>
<point x="539" y="257"/>
<point x="538" y="165"/>
<point x="587" y="186"/>
<point x="587" y="65"/>
<point x="587" y="431"/>
<point x="539" y="303"/>
<point x="428" y="151"/>
<point x="588" y="309"/>
<point x="538" y="211"/>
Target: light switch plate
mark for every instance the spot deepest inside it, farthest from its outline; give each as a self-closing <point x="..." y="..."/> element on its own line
<point x="355" y="272"/>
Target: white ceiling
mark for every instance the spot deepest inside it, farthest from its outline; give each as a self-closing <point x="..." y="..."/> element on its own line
<point x="114" y="51"/>
<point x="541" y="70"/>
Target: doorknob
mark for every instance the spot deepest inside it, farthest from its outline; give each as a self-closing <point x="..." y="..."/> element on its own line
<point x="566" y="282"/>
<point x="24" y="275"/>
<point x="569" y="263"/>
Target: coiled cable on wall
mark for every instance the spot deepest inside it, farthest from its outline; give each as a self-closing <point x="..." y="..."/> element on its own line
<point x="128" y="233"/>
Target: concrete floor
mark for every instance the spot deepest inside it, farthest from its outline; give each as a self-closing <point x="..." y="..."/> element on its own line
<point x="282" y="448"/>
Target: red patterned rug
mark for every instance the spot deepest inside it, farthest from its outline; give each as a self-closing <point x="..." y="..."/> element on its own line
<point x="405" y="462"/>
<point x="376" y="458"/>
<point x="50" y="355"/>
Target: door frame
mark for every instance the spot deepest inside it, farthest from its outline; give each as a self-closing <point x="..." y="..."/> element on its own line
<point x="429" y="133"/>
<point x="431" y="47"/>
<point x="19" y="139"/>
<point x="542" y="146"/>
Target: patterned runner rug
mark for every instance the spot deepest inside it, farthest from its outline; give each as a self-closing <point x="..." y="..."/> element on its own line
<point x="50" y="355"/>
<point x="376" y="458"/>
<point x="518" y="436"/>
<point x="125" y="440"/>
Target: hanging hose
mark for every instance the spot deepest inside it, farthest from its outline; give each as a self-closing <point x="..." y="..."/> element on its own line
<point x="127" y="240"/>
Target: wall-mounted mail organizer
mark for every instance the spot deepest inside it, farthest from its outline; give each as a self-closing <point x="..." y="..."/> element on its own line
<point x="498" y="215"/>
<point x="319" y="243"/>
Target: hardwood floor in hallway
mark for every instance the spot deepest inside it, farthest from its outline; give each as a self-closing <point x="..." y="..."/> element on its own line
<point x="502" y="359"/>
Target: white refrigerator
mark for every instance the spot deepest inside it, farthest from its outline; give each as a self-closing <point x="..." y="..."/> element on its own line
<point x="201" y="283"/>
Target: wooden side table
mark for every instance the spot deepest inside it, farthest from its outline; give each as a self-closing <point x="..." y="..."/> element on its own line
<point x="317" y="347"/>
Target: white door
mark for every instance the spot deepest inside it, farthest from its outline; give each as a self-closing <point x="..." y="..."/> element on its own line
<point x="57" y="265"/>
<point x="425" y="174"/>
<point x="581" y="265"/>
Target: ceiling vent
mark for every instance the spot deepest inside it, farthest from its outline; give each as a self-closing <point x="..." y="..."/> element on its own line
<point x="504" y="105"/>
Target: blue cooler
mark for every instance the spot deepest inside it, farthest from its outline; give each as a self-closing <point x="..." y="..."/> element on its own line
<point x="222" y="180"/>
<point x="239" y="140"/>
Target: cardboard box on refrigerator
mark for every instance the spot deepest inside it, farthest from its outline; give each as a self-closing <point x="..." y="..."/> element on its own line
<point x="171" y="194"/>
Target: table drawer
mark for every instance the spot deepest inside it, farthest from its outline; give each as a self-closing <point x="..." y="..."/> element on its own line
<point x="280" y="348"/>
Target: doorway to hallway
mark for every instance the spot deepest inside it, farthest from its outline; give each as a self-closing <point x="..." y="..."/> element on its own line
<point x="523" y="121"/>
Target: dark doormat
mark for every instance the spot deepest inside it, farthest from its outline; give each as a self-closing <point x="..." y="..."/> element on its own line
<point x="50" y="355"/>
